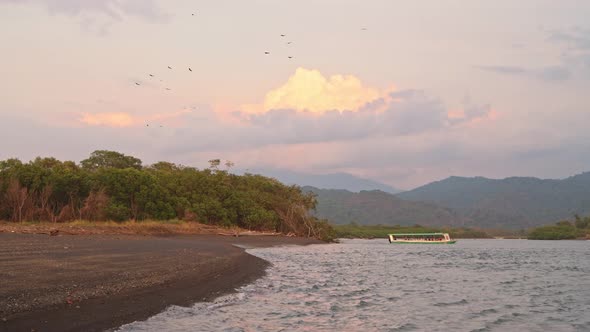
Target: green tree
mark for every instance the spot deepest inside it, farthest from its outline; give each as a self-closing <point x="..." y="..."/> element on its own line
<point x="110" y="159"/>
<point x="214" y="164"/>
<point x="557" y="232"/>
<point x="581" y="223"/>
<point x="112" y="186"/>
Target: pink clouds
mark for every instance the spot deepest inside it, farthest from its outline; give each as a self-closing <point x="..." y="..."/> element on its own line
<point x="114" y="9"/>
<point x="310" y="107"/>
<point x="123" y="119"/>
<point x="377" y="115"/>
<point x="309" y="90"/>
<point x="456" y="114"/>
<point x="111" y="119"/>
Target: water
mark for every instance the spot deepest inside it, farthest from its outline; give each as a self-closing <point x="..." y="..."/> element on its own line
<point x="371" y="285"/>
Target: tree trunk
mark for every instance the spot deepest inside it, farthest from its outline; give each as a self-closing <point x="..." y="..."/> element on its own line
<point x="17" y="197"/>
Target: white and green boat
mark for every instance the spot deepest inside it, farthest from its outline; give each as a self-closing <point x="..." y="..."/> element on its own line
<point x="421" y="238"/>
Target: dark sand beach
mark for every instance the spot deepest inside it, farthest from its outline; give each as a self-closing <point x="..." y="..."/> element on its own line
<point x="100" y="282"/>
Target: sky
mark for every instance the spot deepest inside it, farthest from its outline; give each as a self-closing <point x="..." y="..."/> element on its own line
<point x="401" y="92"/>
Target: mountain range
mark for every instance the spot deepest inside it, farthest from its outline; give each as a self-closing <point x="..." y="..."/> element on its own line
<point x="377" y="207"/>
<point x="342" y="181"/>
<point x="511" y="203"/>
<point x="515" y="202"/>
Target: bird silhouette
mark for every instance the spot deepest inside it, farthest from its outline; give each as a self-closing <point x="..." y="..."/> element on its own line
<point x="169" y="67"/>
<point x="190" y="69"/>
<point x="283" y="35"/>
<point x="147" y="125"/>
<point x="267" y="53"/>
<point x="167" y="89"/>
<point x="290" y="57"/>
<point x="137" y="83"/>
<point x="151" y="75"/>
<point x="364" y="29"/>
<point x="289" y="43"/>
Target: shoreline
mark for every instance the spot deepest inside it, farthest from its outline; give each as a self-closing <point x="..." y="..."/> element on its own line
<point x="101" y="282"/>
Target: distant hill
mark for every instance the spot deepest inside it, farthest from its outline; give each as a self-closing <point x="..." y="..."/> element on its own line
<point x="325" y="181"/>
<point x="516" y="202"/>
<point x="378" y="207"/>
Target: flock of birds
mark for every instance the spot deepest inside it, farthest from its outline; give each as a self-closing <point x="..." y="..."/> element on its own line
<point x="288" y="43"/>
<point x="154" y="76"/>
<point x="190" y="69"/>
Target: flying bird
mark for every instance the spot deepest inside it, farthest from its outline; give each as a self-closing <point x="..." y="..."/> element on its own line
<point x="364" y="29"/>
<point x="147" y="125"/>
<point x="283" y="35"/>
<point x="151" y="75"/>
<point x="137" y="83"/>
<point x="167" y="89"/>
<point x="290" y="57"/>
<point x="266" y="52"/>
<point x="289" y="43"/>
<point x="169" y="67"/>
<point x="190" y="69"/>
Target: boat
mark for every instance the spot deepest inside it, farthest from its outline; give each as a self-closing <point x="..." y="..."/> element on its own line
<point x="421" y="238"/>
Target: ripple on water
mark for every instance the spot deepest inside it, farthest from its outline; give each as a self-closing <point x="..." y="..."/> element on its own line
<point x="484" y="312"/>
<point x="359" y="285"/>
<point x="446" y="304"/>
<point x="404" y="327"/>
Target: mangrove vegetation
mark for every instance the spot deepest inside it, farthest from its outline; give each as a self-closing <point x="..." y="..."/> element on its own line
<point x="563" y="230"/>
<point x="111" y="186"/>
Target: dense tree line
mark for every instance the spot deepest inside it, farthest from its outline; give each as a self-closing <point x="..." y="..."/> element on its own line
<point x="563" y="230"/>
<point x="112" y="186"/>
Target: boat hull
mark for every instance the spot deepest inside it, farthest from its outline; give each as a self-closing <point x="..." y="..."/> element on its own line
<point x="423" y="242"/>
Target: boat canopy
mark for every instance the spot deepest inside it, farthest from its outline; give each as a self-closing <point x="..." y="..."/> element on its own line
<point x="418" y="234"/>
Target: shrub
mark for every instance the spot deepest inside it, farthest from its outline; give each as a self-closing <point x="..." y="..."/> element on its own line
<point x="557" y="232"/>
<point x="117" y="212"/>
